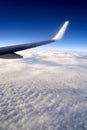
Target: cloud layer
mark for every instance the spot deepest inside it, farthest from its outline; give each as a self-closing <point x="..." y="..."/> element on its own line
<point x="46" y="90"/>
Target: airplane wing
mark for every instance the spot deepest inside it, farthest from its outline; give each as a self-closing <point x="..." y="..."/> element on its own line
<point x="8" y="52"/>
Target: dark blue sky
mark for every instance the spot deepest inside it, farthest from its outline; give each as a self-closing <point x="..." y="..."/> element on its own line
<point x="24" y="21"/>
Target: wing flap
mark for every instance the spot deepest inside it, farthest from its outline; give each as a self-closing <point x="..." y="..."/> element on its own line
<point x="11" y="56"/>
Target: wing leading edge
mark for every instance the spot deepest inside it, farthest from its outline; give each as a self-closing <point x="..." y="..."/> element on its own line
<point x="9" y="51"/>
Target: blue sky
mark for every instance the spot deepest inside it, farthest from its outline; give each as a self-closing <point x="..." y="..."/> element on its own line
<point x="23" y="21"/>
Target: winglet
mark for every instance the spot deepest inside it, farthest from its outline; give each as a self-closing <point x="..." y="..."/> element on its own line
<point x="60" y="33"/>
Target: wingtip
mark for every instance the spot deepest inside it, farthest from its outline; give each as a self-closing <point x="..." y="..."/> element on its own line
<point x="61" y="32"/>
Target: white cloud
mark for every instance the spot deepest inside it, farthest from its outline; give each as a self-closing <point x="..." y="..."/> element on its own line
<point x="45" y="90"/>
